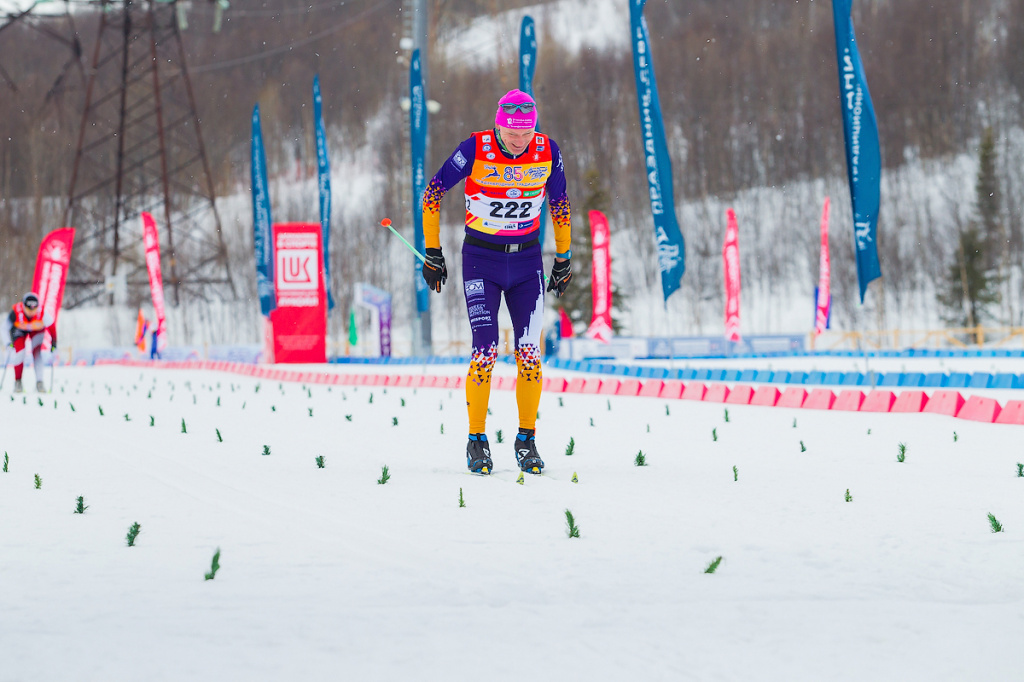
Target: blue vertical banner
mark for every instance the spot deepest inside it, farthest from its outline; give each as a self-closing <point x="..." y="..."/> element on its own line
<point x="418" y="138"/>
<point x="323" y="167"/>
<point x="261" y="241"/>
<point x="527" y="66"/>
<point x="671" y="248"/>
<point x="863" y="158"/>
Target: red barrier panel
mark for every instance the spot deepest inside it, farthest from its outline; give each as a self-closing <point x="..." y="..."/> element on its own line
<point x="504" y="383"/>
<point x="651" y="388"/>
<point x="591" y="386"/>
<point x="609" y="387"/>
<point x="878" y="401"/>
<point x="694" y="391"/>
<point x="766" y="396"/>
<point x="945" y="402"/>
<point x="418" y="381"/>
<point x="629" y="387"/>
<point x="717" y="393"/>
<point x="575" y="385"/>
<point x="849" y="400"/>
<point x="556" y="384"/>
<point x="457" y="382"/>
<point x="910" y="401"/>
<point x="740" y="395"/>
<point x="673" y="390"/>
<point x="794" y="396"/>
<point x="820" y="399"/>
<point x="979" y="409"/>
<point x="1012" y="413"/>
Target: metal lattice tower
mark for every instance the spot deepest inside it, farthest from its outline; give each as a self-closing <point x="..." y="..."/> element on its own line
<point x="140" y="148"/>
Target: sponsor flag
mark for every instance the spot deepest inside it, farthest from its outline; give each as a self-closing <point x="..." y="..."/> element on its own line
<point x="52" y="269"/>
<point x="564" y="324"/>
<point x="299" y="322"/>
<point x="156" y="281"/>
<point x="671" y="248"/>
<point x="601" y="279"/>
<point x="323" y="167"/>
<point x="823" y="295"/>
<point x="863" y="158"/>
<point x="379" y="301"/>
<point x="261" y="242"/>
<point x="527" y="66"/>
<point x="731" y="266"/>
<point x="141" y="325"/>
<point x="418" y="140"/>
<point x="353" y="330"/>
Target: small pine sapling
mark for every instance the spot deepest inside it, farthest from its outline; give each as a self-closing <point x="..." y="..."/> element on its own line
<point x="394" y="421"/>
<point x="273" y="408"/>
<point x="442" y="428"/>
<point x="310" y="411"/>
<point x="133" y="532"/>
<point x="243" y="404"/>
<point x="152" y="420"/>
<point x="39" y="481"/>
<point x="714" y="435"/>
<point x="183" y="429"/>
<point x="218" y="401"/>
<point x="648" y="428"/>
<point x="560" y="403"/>
<point x="5" y="462"/>
<point x="266" y="450"/>
<point x="371" y="398"/>
<point x="794" y="422"/>
<point x="348" y="417"/>
<point x="609" y="404"/>
<point x="80" y="505"/>
<point x="1020" y="467"/>
<point x="126" y="417"/>
<point x="72" y="405"/>
<point x="100" y="409"/>
<point x="955" y="437"/>
<point x="849" y="497"/>
<point x="640" y="460"/>
<point x="735" y="473"/>
<point x="571" y="529"/>
<point x="713" y="566"/>
<point x="320" y="462"/>
<point x="667" y="414"/>
<point x="499" y="436"/>
<point x="901" y="452"/>
<point x="591" y="421"/>
<point x="385" y="476"/>
<point x="40" y="401"/>
<point x="403" y="401"/>
<point x="214" y="566"/>
<point x="220" y="439"/>
<point x="994" y="523"/>
<point x="803" y="448"/>
<point x="726" y="415"/>
<point x="462" y="502"/>
<point x="571" y="447"/>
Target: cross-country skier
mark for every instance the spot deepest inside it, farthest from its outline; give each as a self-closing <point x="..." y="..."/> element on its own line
<point x="509" y="171"/>
<point x="26" y="326"/>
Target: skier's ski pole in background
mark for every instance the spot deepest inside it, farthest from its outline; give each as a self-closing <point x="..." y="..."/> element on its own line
<point x="387" y="223"/>
<point x="3" y="374"/>
<point x="53" y="361"/>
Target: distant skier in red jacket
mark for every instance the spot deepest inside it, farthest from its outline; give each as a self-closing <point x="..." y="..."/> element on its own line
<point x="27" y="324"/>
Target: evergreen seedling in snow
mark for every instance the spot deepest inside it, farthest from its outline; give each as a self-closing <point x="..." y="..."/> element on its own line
<point x="384" y="475"/>
<point x="591" y="421"/>
<point x="133" y="532"/>
<point x="901" y="453"/>
<point x="5" y="462"/>
<point x="794" y="422"/>
<point x="214" y="566"/>
<point x="183" y="429"/>
<point x="243" y="404"/>
<point x="310" y="411"/>
<point x="371" y="398"/>
<point x="869" y="432"/>
<point x="219" y="438"/>
<point x="394" y="422"/>
<point x="641" y="459"/>
<point x="1020" y="467"/>
<point x="849" y="497"/>
<point x="714" y="435"/>
<point x="442" y="428"/>
<point x="727" y="415"/>
<point x="609" y="404"/>
<point x="126" y="417"/>
<point x="266" y="450"/>
<point x="320" y="462"/>
<point x="571" y="447"/>
<point x="152" y="420"/>
<point x="571" y="529"/>
<point x="100" y="409"/>
<point x="72" y="406"/>
<point x="648" y="428"/>
<point x="218" y="401"/>
<point x="499" y="436"/>
<point x="40" y="401"/>
<point x="39" y="482"/>
<point x="666" y="410"/>
<point x="713" y="566"/>
<point x="273" y="408"/>
<point x="257" y="388"/>
<point x="955" y="437"/>
<point x="348" y="417"/>
<point x="403" y="401"/>
<point x="560" y="403"/>
<point x="996" y="526"/>
<point x="735" y="473"/>
<point x="462" y="502"/>
<point x="803" y="448"/>
<point x="80" y="505"/>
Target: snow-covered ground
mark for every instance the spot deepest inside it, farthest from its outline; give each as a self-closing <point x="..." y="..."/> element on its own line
<point x="326" y="574"/>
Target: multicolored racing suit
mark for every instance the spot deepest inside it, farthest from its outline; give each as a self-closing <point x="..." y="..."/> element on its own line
<point x="502" y="255"/>
<point x="27" y="337"/>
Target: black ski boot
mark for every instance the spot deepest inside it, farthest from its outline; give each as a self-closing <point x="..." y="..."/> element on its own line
<point x="478" y="454"/>
<point x="526" y="452"/>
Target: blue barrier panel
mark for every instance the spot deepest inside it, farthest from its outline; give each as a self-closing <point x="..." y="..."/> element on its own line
<point x="936" y="380"/>
<point x="779" y="377"/>
<point x="677" y="374"/>
<point x="1003" y="380"/>
<point x="646" y="372"/>
<point x="622" y="370"/>
<point x="833" y="378"/>
<point x="731" y="375"/>
<point x="797" y="378"/>
<point x="913" y="379"/>
<point x="873" y="378"/>
<point x="716" y="375"/>
<point x="748" y="375"/>
<point x="763" y="376"/>
<point x="958" y="380"/>
<point x="1019" y="381"/>
<point x="980" y="380"/>
<point x="892" y="379"/>
<point x="815" y="378"/>
<point x="688" y="374"/>
<point x="702" y="374"/>
<point x="852" y="379"/>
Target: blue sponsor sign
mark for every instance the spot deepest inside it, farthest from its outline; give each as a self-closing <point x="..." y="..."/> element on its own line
<point x="261" y="241"/>
<point x="418" y="137"/>
<point x="527" y="66"/>
<point x="323" y="167"/>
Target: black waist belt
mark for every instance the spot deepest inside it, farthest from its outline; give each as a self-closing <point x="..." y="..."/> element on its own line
<point x="507" y="248"/>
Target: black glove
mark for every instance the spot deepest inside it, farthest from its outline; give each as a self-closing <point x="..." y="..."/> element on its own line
<point x="561" y="273"/>
<point x="435" y="272"/>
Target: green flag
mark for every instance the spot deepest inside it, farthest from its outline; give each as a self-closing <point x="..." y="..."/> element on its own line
<point x="353" y="334"/>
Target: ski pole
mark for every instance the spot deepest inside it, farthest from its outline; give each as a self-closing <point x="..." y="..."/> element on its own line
<point x="3" y="374"/>
<point x="53" y="361"/>
<point x="387" y="223"/>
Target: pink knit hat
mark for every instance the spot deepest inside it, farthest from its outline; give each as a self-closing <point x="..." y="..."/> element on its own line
<point x="518" y="119"/>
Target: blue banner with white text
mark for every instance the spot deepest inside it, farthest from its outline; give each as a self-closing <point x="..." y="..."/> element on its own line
<point x="863" y="158"/>
<point x="527" y="66"/>
<point x="418" y="137"/>
<point x="323" y="167"/>
<point x="262" y="244"/>
<point x="671" y="248"/>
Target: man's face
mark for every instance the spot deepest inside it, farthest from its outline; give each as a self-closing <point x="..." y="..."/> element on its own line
<point x="516" y="140"/>
<point x="30" y="313"/>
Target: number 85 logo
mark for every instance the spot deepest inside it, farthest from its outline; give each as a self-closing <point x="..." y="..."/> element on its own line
<point x="513" y="173"/>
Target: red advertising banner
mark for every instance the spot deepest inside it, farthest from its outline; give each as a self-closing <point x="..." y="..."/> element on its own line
<point x="300" y="319"/>
<point x="156" y="281"/>
<point x="824" y="277"/>
<point x="52" y="269"/>
<point x="564" y="324"/>
<point x="601" y="280"/>
<point x="731" y="258"/>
